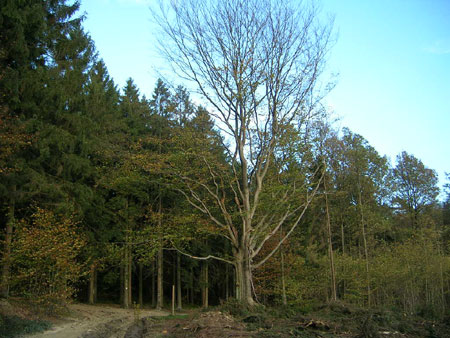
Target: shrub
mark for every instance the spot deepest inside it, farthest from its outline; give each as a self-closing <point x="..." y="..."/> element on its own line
<point x="13" y="326"/>
<point x="44" y="259"/>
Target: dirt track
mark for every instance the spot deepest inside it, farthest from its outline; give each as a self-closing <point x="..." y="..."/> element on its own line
<point x="91" y="321"/>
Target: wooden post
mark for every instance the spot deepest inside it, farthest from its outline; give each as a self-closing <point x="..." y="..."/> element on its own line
<point x="173" y="300"/>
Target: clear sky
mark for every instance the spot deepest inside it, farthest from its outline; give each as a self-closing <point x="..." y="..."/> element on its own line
<point x="392" y="56"/>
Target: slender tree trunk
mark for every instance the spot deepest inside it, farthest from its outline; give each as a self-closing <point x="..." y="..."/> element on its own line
<point x="330" y="248"/>
<point x="126" y="280"/>
<point x="205" y="288"/>
<point x="4" y="291"/>
<point x="192" y="284"/>
<point x="92" y="275"/>
<point x="95" y="285"/>
<point x="153" y="281"/>
<point x="441" y="279"/>
<point x="122" y="283"/>
<point x="343" y="255"/>
<point x="227" y="282"/>
<point x="366" y="254"/>
<point x="179" y="306"/>
<point x="130" y="276"/>
<point x="141" y="297"/>
<point x="159" y="287"/>
<point x="160" y="291"/>
<point x="283" y="282"/>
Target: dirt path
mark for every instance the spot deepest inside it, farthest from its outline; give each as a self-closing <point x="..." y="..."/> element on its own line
<point x="95" y="321"/>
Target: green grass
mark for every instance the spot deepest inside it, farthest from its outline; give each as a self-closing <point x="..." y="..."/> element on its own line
<point x="13" y="326"/>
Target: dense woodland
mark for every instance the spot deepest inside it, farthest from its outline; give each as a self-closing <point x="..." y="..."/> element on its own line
<point x="110" y="196"/>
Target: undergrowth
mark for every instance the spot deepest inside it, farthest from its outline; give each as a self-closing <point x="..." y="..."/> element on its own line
<point x="13" y="326"/>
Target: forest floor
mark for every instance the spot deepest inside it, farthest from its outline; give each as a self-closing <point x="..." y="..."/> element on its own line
<point x="105" y="321"/>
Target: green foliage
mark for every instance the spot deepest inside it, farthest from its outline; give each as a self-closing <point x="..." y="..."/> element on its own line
<point x="239" y="309"/>
<point x="416" y="187"/>
<point x="13" y="326"/>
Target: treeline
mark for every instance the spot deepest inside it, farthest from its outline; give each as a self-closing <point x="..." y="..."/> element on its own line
<point x="107" y="195"/>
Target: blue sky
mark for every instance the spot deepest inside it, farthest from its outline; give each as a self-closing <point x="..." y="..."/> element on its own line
<point x="392" y="56"/>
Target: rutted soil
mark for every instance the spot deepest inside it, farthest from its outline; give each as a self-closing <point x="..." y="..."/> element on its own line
<point x="92" y="321"/>
<point x="112" y="322"/>
<point x="330" y="321"/>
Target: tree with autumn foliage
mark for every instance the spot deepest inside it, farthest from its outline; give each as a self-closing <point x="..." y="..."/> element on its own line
<point x="44" y="259"/>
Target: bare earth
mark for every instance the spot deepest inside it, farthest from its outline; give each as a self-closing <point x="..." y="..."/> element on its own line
<point x="91" y="321"/>
<point x="105" y="321"/>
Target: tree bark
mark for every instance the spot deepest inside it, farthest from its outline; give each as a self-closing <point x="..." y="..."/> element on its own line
<point x="92" y="282"/>
<point x="205" y="288"/>
<point x="160" y="291"/>
<point x="283" y="282"/>
<point x="130" y="276"/>
<point x="159" y="287"/>
<point x="141" y="298"/>
<point x="227" y="282"/>
<point x="4" y="291"/>
<point x="243" y="278"/>
<point x="179" y="304"/>
<point x="153" y="281"/>
<point x="126" y="280"/>
<point x="192" y="284"/>
<point x="330" y="248"/>
<point x="122" y="284"/>
<point x="366" y="253"/>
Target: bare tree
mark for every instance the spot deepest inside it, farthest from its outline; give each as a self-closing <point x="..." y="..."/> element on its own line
<point x="256" y="63"/>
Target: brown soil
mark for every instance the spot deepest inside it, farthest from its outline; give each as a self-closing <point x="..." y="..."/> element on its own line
<point x="101" y="321"/>
<point x="96" y="321"/>
<point x="202" y="325"/>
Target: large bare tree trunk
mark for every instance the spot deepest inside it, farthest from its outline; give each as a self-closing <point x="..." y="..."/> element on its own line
<point x="243" y="278"/>
<point x="4" y="287"/>
<point x="256" y="62"/>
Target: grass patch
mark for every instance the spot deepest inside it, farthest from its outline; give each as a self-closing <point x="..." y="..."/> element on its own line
<point x="13" y="326"/>
<point x="179" y="316"/>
